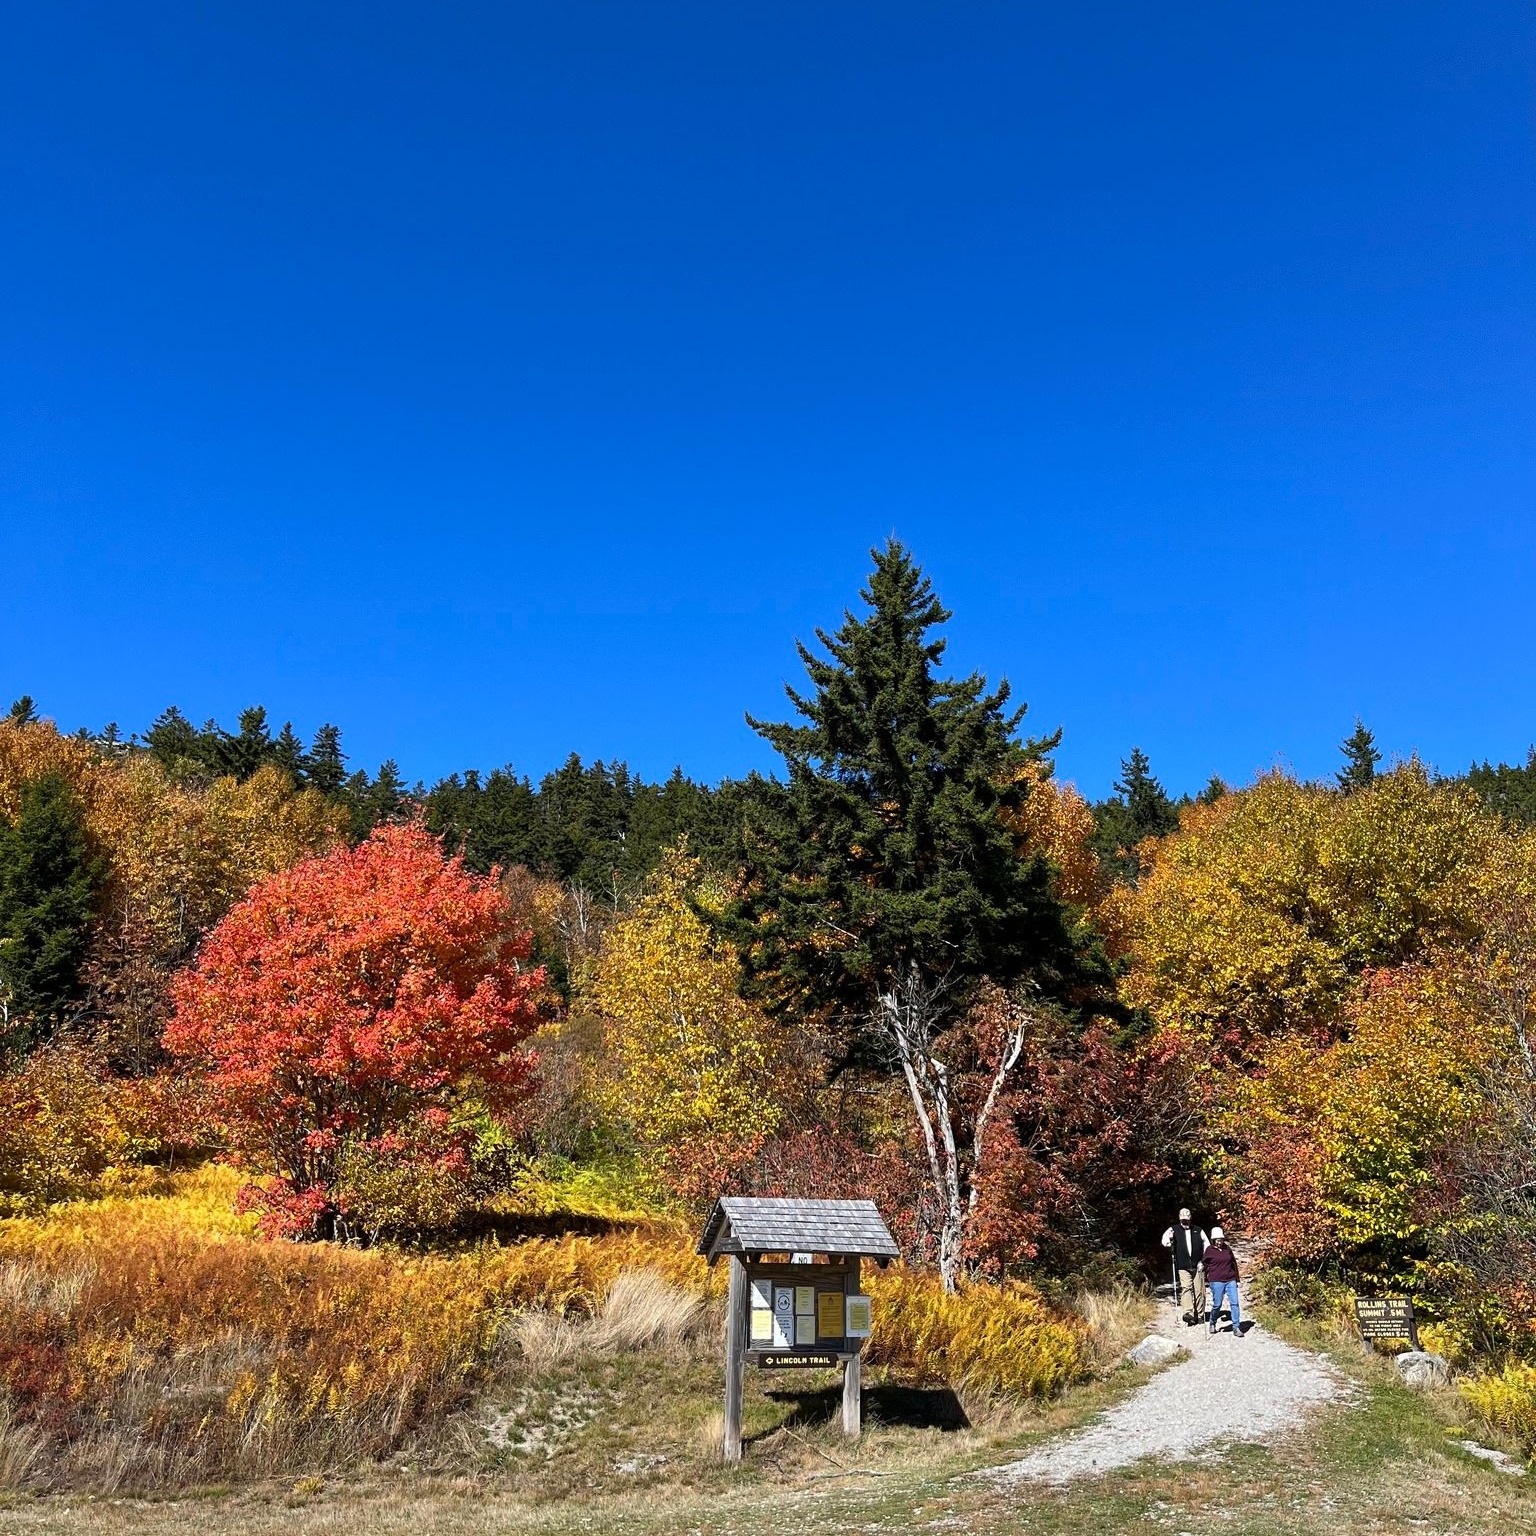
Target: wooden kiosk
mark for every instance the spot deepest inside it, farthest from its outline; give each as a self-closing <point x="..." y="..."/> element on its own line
<point x="794" y="1296"/>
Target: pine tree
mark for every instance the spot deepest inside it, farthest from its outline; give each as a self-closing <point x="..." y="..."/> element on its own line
<point x="48" y="886"/>
<point x="586" y="816"/>
<point x="1505" y="789"/>
<point x="251" y="746"/>
<point x="493" y="822"/>
<point x="387" y="795"/>
<point x="289" y="754"/>
<point x="1140" y="808"/>
<point x="1360" y="759"/>
<point x="327" y="762"/>
<point x="23" y="711"/>
<point x="885" y="851"/>
<point x="172" y="739"/>
<point x="1149" y="811"/>
<point x="882" y="885"/>
<point x="1215" y="788"/>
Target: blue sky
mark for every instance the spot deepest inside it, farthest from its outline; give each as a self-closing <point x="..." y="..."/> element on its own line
<point x="502" y="381"/>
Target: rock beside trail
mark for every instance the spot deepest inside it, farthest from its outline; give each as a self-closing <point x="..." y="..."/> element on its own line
<point x="1422" y="1370"/>
<point x="1155" y="1349"/>
<point x="1506" y="1464"/>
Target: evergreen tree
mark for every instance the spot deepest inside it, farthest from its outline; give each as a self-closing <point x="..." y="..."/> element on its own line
<point x="47" y="896"/>
<point x="251" y="746"/>
<point x="1140" y="808"/>
<point x="1216" y="787"/>
<point x="660" y="815"/>
<point x="289" y="754"/>
<point x="492" y="822"/>
<point x="172" y="739"/>
<point x="884" y="858"/>
<point x="1149" y="811"/>
<point x="327" y="762"/>
<point x="586" y="817"/>
<point x="387" y="800"/>
<point x="1506" y="789"/>
<point x="211" y="750"/>
<point x="373" y="803"/>
<point x="1360" y="759"/>
<point x="23" y="711"/>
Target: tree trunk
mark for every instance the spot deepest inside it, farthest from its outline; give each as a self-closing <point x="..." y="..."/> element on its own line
<point x="910" y="1017"/>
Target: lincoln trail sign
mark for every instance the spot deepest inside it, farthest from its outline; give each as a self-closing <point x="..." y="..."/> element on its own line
<point x="794" y="1299"/>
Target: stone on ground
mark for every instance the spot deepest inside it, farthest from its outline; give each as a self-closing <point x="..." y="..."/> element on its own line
<point x="1155" y="1349"/>
<point x="1422" y="1370"/>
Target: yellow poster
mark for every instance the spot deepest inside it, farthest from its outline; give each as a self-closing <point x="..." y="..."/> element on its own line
<point x="762" y="1325"/>
<point x="829" y="1314"/>
<point x="858" y="1317"/>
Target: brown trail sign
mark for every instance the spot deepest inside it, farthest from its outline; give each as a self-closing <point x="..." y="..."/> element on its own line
<point x="1387" y="1317"/>
<point x="794" y="1297"/>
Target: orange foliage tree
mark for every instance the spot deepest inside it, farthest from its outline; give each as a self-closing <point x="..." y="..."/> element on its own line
<point x="348" y="1006"/>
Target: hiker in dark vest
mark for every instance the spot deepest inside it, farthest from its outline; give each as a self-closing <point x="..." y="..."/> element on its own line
<point x="1221" y="1271"/>
<point x="1188" y="1243"/>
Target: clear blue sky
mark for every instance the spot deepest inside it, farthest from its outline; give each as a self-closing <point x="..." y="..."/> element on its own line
<point x="500" y="381"/>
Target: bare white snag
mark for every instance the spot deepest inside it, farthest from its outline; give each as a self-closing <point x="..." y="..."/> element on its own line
<point x="909" y="1015"/>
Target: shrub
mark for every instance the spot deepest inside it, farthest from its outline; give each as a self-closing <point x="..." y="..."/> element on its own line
<point x="66" y="1125"/>
<point x="417" y="1181"/>
<point x="1506" y="1402"/>
<point x="153" y="1342"/>
<point x="986" y="1340"/>
<point x="1296" y="1290"/>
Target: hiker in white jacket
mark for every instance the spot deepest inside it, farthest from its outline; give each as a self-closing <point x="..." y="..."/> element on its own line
<point x="1188" y="1244"/>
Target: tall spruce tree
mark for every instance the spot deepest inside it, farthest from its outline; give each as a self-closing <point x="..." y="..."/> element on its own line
<point x="327" y="762"/>
<point x="172" y="739"/>
<point x="250" y="746"/>
<point x="23" y="711"/>
<point x="1140" y="808"/>
<point x="289" y="754"/>
<point x="48" y="884"/>
<point x="882" y="884"/>
<point x="1360" y="759"/>
<point x="885" y="849"/>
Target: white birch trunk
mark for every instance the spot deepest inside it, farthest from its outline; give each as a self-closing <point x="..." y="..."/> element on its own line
<point x="910" y="1017"/>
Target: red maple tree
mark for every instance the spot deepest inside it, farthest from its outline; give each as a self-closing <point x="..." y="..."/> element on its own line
<point x="353" y="1001"/>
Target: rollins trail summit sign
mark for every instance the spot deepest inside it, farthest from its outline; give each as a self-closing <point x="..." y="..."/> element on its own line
<point x="794" y="1298"/>
<point x="1387" y="1317"/>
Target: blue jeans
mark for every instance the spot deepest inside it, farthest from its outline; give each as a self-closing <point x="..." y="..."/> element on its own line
<point x="1225" y="1291"/>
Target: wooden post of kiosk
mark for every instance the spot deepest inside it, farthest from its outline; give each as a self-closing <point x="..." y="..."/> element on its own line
<point x="853" y="1406"/>
<point x="735" y="1357"/>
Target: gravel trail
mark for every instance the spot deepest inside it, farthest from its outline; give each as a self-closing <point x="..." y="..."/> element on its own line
<point x="1228" y="1389"/>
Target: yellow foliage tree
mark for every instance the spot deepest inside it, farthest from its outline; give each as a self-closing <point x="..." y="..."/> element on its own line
<point x="1056" y="821"/>
<point x="1336" y="1147"/>
<point x="689" y="1069"/>
<point x="1257" y="917"/>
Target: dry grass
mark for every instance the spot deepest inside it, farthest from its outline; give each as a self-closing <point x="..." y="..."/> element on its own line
<point x="22" y="1449"/>
<point x="642" y="1310"/>
<point x="152" y="1343"/>
<point x="1116" y="1320"/>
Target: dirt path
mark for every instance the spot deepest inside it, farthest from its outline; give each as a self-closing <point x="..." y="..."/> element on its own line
<point x="1228" y="1389"/>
